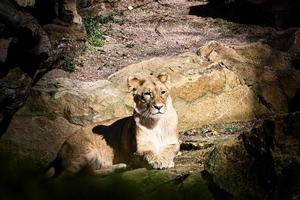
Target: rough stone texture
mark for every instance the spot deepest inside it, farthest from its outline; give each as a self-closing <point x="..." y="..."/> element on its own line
<point x="13" y="91"/>
<point x="229" y="165"/>
<point x="266" y="71"/>
<point x="258" y="163"/>
<point x="80" y="103"/>
<point x="37" y="147"/>
<point x="223" y="83"/>
<point x="29" y="47"/>
<point x="25" y="3"/>
<point x="84" y="3"/>
<point x="68" y="12"/>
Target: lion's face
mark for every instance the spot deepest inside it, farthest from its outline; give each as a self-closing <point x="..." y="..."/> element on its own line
<point x="151" y="95"/>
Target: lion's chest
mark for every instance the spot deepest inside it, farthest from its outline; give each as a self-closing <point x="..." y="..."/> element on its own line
<point x="156" y="139"/>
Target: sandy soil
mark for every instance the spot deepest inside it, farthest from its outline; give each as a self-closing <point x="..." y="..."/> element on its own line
<point x="154" y="28"/>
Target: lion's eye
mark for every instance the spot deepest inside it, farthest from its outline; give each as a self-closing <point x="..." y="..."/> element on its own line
<point x="163" y="92"/>
<point x="147" y="94"/>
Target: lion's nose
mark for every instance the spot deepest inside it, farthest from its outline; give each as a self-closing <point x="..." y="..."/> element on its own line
<point x="157" y="107"/>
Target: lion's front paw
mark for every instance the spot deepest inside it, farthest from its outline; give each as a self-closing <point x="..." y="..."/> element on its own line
<point x="159" y="162"/>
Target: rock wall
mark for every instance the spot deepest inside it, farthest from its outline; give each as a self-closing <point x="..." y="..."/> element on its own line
<point x="32" y="39"/>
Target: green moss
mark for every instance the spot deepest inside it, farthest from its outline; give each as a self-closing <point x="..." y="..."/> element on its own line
<point x="92" y="26"/>
<point x="105" y="19"/>
<point x="67" y="63"/>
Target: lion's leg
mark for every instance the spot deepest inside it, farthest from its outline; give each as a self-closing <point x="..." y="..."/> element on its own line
<point x="164" y="159"/>
<point x="169" y="154"/>
<point x="171" y="151"/>
<point x="110" y="169"/>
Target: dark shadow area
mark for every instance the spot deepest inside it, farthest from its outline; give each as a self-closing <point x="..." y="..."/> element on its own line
<point x="219" y="193"/>
<point x="294" y="104"/>
<point x="113" y="134"/>
<point x="276" y="14"/>
<point x="44" y="11"/>
<point x="22" y="181"/>
<point x="296" y="63"/>
<point x="293" y="128"/>
<point x="29" y="41"/>
<point x="289" y="182"/>
<point x="259" y="145"/>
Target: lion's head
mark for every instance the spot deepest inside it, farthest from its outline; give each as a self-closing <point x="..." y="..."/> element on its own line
<point x="151" y="95"/>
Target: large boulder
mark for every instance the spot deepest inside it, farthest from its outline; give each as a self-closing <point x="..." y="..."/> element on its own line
<point x="80" y="103"/>
<point x="203" y="92"/>
<point x="223" y="83"/>
<point x="268" y="72"/>
<point x="55" y="109"/>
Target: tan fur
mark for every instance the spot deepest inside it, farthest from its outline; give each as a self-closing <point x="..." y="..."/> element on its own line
<point x="147" y="138"/>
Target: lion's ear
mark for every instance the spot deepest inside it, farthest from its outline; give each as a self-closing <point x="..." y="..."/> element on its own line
<point x="133" y="83"/>
<point x="163" y="77"/>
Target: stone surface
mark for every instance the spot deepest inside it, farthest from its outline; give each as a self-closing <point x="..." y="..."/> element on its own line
<point x="266" y="71"/>
<point x="80" y="103"/>
<point x="25" y="3"/>
<point x="36" y="139"/>
<point x="29" y="47"/>
<point x="13" y="90"/>
<point x="258" y="163"/>
<point x="68" y="12"/>
<point x="229" y="165"/>
<point x="56" y="109"/>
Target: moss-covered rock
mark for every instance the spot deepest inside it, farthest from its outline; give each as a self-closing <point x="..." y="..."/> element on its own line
<point x="257" y="164"/>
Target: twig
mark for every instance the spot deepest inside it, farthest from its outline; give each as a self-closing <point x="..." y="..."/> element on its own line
<point x="157" y="25"/>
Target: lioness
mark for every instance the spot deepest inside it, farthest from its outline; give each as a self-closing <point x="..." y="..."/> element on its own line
<point x="148" y="137"/>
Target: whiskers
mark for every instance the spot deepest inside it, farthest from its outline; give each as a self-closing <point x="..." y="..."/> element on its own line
<point x="146" y="119"/>
<point x="146" y="115"/>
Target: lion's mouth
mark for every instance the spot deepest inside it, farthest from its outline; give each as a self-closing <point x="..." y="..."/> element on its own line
<point x="158" y="113"/>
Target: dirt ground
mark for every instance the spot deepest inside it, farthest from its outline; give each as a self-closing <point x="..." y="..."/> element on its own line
<point x="145" y="29"/>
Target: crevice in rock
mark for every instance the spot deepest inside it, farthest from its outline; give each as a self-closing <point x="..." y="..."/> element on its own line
<point x="44" y="11"/>
<point x="186" y="146"/>
<point x="294" y="104"/>
<point x="296" y="63"/>
<point x="263" y="101"/>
